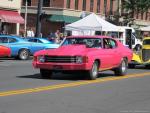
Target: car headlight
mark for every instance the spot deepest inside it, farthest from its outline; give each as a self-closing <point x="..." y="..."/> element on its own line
<point x="41" y="59"/>
<point x="79" y="59"/>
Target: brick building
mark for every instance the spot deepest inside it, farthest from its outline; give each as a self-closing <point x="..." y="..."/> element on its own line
<point x="61" y="12"/>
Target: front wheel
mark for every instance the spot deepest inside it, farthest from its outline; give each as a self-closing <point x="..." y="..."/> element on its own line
<point x="121" y="69"/>
<point x="45" y="73"/>
<point x="93" y="73"/>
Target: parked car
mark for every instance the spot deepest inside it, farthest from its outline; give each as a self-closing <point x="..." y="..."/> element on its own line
<point x="142" y="57"/>
<point x="45" y="42"/>
<point x="5" y="51"/>
<point x="86" y="54"/>
<point x="21" y="48"/>
<point x="38" y="40"/>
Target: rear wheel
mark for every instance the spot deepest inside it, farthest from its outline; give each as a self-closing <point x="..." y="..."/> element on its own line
<point x="131" y="66"/>
<point x="23" y="54"/>
<point x="45" y="73"/>
<point x="147" y="66"/>
<point x="121" y="69"/>
<point x="93" y="73"/>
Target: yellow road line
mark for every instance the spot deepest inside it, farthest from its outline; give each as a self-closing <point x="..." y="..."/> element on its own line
<point x="73" y="84"/>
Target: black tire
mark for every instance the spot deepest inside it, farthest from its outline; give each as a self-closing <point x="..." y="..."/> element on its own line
<point x="45" y="73"/>
<point x="138" y="47"/>
<point x="131" y="66"/>
<point x="24" y="54"/>
<point x="93" y="73"/>
<point x="147" y="66"/>
<point x="122" y="68"/>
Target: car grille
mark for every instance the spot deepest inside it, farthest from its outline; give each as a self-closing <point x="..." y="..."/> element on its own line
<point x="60" y="59"/>
<point x="145" y="54"/>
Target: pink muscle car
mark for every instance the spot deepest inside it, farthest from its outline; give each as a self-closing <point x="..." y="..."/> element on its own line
<point x="88" y="54"/>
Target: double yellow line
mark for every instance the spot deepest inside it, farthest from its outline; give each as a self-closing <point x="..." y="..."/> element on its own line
<point x="73" y="84"/>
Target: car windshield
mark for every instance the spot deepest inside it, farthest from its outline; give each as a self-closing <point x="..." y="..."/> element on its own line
<point x="146" y="42"/>
<point x="89" y="42"/>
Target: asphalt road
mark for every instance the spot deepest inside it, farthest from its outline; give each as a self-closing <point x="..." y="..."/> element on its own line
<point x="23" y="91"/>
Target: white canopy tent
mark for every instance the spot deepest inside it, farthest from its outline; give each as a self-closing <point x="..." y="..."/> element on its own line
<point x="145" y="28"/>
<point x="91" y="22"/>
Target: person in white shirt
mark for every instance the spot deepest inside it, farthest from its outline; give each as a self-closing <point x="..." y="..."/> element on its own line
<point x="30" y="33"/>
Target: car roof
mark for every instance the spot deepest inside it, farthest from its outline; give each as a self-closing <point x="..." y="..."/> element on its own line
<point x="13" y="36"/>
<point x="87" y="36"/>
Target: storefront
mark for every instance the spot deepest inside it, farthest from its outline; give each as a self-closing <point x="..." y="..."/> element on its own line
<point x="9" y="22"/>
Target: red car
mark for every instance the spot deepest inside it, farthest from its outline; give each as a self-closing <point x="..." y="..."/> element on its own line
<point x="5" y="51"/>
<point x="88" y="54"/>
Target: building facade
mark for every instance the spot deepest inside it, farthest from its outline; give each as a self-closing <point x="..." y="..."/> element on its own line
<point x="10" y="16"/>
<point x="61" y="12"/>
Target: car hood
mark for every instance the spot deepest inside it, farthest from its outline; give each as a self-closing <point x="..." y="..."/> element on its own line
<point x="69" y="50"/>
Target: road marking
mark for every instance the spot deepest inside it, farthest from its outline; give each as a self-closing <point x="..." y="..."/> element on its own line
<point x="73" y="84"/>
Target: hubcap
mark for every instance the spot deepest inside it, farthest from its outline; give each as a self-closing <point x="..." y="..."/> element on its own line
<point x="123" y="66"/>
<point x="94" y="70"/>
<point x="24" y="54"/>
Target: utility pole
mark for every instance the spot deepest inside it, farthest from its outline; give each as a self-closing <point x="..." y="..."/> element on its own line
<point x="118" y="11"/>
<point x="38" y="21"/>
<point x="25" y="23"/>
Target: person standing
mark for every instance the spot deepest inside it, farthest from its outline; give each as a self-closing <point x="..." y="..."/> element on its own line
<point x="30" y="33"/>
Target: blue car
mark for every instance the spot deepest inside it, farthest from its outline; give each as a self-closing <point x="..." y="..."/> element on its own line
<point x="21" y="48"/>
<point x="39" y="40"/>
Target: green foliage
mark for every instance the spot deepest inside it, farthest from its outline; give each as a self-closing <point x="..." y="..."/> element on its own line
<point x="131" y="6"/>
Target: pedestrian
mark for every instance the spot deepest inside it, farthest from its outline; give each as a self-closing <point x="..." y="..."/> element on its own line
<point x="30" y="33"/>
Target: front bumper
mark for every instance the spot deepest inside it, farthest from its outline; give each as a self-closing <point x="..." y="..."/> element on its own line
<point x="61" y="66"/>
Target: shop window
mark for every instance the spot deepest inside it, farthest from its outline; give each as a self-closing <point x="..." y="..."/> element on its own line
<point x="76" y="4"/>
<point x="28" y="2"/>
<point x="84" y="5"/>
<point x="68" y="4"/>
<point x="98" y="6"/>
<point x="46" y="3"/>
<point x="91" y="5"/>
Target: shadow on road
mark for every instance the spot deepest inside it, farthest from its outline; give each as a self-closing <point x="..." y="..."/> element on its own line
<point x="60" y="76"/>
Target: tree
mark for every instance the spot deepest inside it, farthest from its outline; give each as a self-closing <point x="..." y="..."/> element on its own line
<point x="134" y="6"/>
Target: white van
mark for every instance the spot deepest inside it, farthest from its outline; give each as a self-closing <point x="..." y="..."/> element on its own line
<point x="123" y="34"/>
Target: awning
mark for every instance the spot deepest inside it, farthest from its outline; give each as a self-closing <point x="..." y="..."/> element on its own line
<point x="11" y="17"/>
<point x="63" y="18"/>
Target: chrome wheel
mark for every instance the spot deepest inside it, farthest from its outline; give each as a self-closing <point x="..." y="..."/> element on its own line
<point x="24" y="54"/>
<point x="93" y="73"/>
<point x="121" y="69"/>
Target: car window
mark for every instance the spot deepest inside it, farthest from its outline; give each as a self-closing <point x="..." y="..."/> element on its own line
<point x="89" y="42"/>
<point x="39" y="41"/>
<point x="146" y="42"/>
<point x="109" y="43"/>
<point x="3" y="40"/>
<point x="113" y="43"/>
<point x="12" y="40"/>
<point x="32" y="40"/>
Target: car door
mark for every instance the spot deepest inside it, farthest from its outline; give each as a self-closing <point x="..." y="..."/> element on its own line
<point x="36" y="46"/>
<point x="109" y="54"/>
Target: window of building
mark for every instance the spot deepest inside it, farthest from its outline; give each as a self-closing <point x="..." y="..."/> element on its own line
<point x="146" y="15"/>
<point x="91" y="5"/>
<point x="111" y="7"/>
<point x="98" y="6"/>
<point x="105" y="7"/>
<point x="28" y="2"/>
<point x="68" y="4"/>
<point x="46" y="3"/>
<point x="84" y="5"/>
<point x="76" y="4"/>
